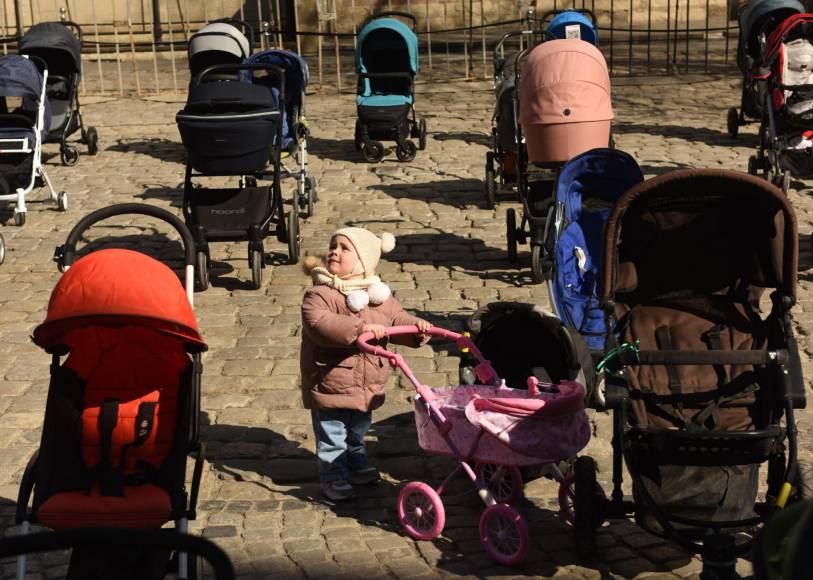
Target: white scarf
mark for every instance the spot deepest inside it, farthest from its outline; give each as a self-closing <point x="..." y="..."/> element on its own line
<point x="359" y="292"/>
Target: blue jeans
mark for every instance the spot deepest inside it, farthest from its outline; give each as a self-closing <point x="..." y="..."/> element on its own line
<point x="340" y="441"/>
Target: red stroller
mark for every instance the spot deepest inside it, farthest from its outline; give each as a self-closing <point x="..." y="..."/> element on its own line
<point x="498" y="429"/>
<point x="123" y="408"/>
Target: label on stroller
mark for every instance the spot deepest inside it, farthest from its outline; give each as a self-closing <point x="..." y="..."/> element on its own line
<point x="573" y="31"/>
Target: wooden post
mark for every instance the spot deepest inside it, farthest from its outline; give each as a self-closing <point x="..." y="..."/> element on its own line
<point x="335" y="27"/>
<point x="483" y="35"/>
<point x="279" y="23"/>
<point x="172" y="49"/>
<point x="296" y="25"/>
<point x="428" y="39"/>
<point x="98" y="51"/>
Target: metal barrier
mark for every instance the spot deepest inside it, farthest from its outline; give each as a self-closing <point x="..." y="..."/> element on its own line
<point x="143" y="52"/>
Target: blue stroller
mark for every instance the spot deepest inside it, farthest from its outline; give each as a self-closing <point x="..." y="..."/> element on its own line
<point x="294" y="123"/>
<point x="386" y="65"/>
<point x="586" y="192"/>
<point x="23" y="82"/>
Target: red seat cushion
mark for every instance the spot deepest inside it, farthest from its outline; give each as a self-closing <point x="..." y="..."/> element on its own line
<point x="142" y="506"/>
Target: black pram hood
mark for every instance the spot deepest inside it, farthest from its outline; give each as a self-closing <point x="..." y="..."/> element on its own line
<point x="20" y="77"/>
<point x="52" y="36"/>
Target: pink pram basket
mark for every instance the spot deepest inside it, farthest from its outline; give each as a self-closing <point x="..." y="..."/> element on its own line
<point x="488" y="435"/>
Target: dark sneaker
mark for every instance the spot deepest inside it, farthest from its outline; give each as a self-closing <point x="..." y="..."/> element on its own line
<point x="337" y="490"/>
<point x="364" y="476"/>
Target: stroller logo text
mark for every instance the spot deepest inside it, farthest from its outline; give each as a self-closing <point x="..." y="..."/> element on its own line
<point x="228" y="211"/>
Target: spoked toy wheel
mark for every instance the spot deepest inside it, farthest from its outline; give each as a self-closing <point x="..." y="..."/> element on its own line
<point x="490" y="184"/>
<point x="373" y="151"/>
<point x="294" y="237"/>
<point x="422" y="134"/>
<point x="255" y="259"/>
<point x="786" y="181"/>
<point x="407" y="152"/>
<point x="92" y="141"/>
<point x="753" y="165"/>
<point x="733" y="122"/>
<point x="537" y="269"/>
<point x="69" y="155"/>
<point x="2" y="249"/>
<point x="201" y="271"/>
<point x="503" y="481"/>
<point x="19" y="218"/>
<point x="511" y="233"/>
<point x="62" y="201"/>
<point x="421" y="511"/>
<point x="586" y="506"/>
<point x="504" y="534"/>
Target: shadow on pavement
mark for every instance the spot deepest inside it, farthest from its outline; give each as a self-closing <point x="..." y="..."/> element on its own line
<point x="157" y="147"/>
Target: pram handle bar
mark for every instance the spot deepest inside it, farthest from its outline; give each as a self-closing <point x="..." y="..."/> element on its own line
<point x="704" y="357"/>
<point x="406" y="15"/>
<point x="75" y="29"/>
<point x="276" y="71"/>
<point x="498" y="47"/>
<point x="65" y="255"/>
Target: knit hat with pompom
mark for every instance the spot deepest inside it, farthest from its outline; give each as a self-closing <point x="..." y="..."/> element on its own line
<point x="369" y="247"/>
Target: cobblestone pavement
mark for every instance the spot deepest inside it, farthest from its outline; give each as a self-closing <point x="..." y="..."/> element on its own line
<point x="259" y="497"/>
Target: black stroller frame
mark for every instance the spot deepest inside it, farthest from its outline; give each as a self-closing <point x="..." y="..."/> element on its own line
<point x="373" y="151"/>
<point x="68" y="154"/>
<point x="255" y="232"/>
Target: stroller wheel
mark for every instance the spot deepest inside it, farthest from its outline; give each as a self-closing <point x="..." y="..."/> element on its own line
<point x="2" y="249"/>
<point x="62" y="201"/>
<point x="503" y="481"/>
<point x="310" y="185"/>
<point x="92" y="140"/>
<point x="511" y="233"/>
<point x="19" y="218"/>
<point x="69" y="155"/>
<point x="202" y="271"/>
<point x="373" y="151"/>
<point x="357" y="141"/>
<point x="753" y="165"/>
<point x="294" y="238"/>
<point x="504" y="534"/>
<point x="585" y="506"/>
<point x="407" y="152"/>
<point x="421" y="511"/>
<point x="422" y="134"/>
<point x="733" y="122"/>
<point x="786" y="181"/>
<point x="255" y="259"/>
<point x="311" y="193"/>
<point x="537" y="269"/>
<point x="491" y="181"/>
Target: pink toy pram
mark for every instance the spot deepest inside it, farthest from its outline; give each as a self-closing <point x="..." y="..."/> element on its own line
<point x="498" y="429"/>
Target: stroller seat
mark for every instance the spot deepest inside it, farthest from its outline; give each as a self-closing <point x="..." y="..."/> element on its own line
<point x="384" y="100"/>
<point x="139" y="506"/>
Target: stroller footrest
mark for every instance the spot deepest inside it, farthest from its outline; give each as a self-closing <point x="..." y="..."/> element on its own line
<point x="703" y="448"/>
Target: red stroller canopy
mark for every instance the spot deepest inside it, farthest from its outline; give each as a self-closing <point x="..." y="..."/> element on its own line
<point x="119" y="287"/>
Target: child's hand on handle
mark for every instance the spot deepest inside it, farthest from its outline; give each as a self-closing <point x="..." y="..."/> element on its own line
<point x="423" y="327"/>
<point x="378" y="330"/>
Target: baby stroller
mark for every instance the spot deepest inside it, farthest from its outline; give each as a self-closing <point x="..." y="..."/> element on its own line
<point x="230" y="128"/>
<point x="23" y="80"/>
<point x="786" y="133"/>
<point x="587" y="189"/>
<point x="294" y="123"/>
<point x="59" y="44"/>
<point x="501" y="161"/>
<point x="386" y="65"/>
<point x="705" y="385"/>
<point x="499" y="429"/>
<point x="564" y="109"/>
<point x="757" y="20"/>
<point x="122" y="409"/>
<point x="225" y="41"/>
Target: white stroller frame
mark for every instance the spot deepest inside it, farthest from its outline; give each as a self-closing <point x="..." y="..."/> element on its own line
<point x="306" y="185"/>
<point x="37" y="170"/>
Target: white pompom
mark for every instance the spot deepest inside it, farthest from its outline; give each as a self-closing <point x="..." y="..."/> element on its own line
<point x="379" y="293"/>
<point x="358" y="300"/>
<point x="387" y="242"/>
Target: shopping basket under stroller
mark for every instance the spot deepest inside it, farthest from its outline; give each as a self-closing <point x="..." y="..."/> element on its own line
<point x="59" y="44"/>
<point x="564" y="109"/>
<point x="786" y="133"/>
<point x="122" y="409"/>
<point x="386" y="66"/>
<point x="757" y="20"/>
<point x="497" y="428"/>
<point x="707" y="384"/>
<point x="23" y="80"/>
<point x="294" y="123"/>
<point x="230" y="127"/>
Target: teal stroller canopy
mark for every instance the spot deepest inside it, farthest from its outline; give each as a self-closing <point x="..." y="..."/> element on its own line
<point x="383" y="39"/>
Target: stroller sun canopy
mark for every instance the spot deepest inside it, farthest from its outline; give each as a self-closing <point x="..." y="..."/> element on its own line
<point x="380" y="43"/>
<point x="117" y="287"/>
<point x="753" y="19"/>
<point x="55" y="43"/>
<point x="20" y="77"/>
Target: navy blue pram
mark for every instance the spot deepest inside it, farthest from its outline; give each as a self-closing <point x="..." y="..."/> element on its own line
<point x="22" y="130"/>
<point x="586" y="191"/>
<point x="294" y="122"/>
<point x="386" y="65"/>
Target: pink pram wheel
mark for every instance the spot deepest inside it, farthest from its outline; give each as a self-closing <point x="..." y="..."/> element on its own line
<point x="421" y="511"/>
<point x="504" y="534"/>
<point x="503" y="481"/>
